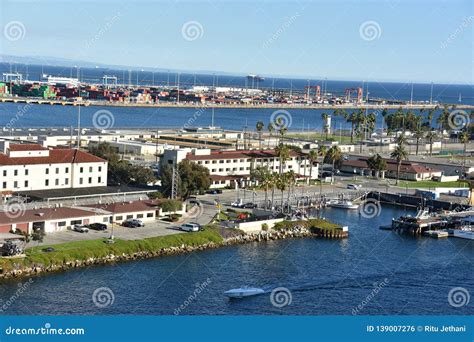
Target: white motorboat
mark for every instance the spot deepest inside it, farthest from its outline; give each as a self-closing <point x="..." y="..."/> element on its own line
<point x="464" y="233"/>
<point x="244" y="291"/>
<point x="342" y="204"/>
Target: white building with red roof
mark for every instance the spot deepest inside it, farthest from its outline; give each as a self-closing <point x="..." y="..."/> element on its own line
<point x="27" y="167"/>
<point x="231" y="168"/>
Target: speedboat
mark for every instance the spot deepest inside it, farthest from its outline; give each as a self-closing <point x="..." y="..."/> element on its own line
<point x="244" y="291"/>
<point x="342" y="204"/>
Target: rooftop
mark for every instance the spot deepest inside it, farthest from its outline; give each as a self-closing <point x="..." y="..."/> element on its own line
<point x="56" y="156"/>
<point x="238" y="154"/>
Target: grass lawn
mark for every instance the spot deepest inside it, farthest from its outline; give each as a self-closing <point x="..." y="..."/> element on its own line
<point x="82" y="250"/>
<point x="429" y="184"/>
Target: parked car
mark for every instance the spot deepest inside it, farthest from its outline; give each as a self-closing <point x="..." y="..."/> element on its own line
<point x="97" y="226"/>
<point x="9" y="248"/>
<point x="190" y="227"/>
<point x="249" y="205"/>
<point x="237" y="204"/>
<point x="214" y="191"/>
<point x="80" y="228"/>
<point x="353" y="186"/>
<point x="133" y="223"/>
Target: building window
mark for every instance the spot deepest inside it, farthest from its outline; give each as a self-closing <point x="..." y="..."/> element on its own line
<point x="241" y="168"/>
<point x="213" y="170"/>
<point x="4" y="185"/>
<point x="61" y="224"/>
<point x="90" y="168"/>
<point x="227" y="169"/>
<point x="46" y="182"/>
<point x="81" y="169"/>
<point x="139" y="216"/>
<point x="206" y="162"/>
<point x="73" y="222"/>
<point x="199" y="162"/>
<point x="90" y="180"/>
<point x="15" y="184"/>
<point x="129" y="217"/>
<point x="234" y="169"/>
<point x="100" y="168"/>
<point x="118" y="218"/>
<point x="67" y="170"/>
<point x="235" y="160"/>
<point x="99" y="180"/>
<point x="242" y="160"/>
<point x="228" y="161"/>
<point x="26" y="184"/>
<point x="221" y="162"/>
<point x="220" y="170"/>
<point x="105" y="220"/>
<point x="26" y="172"/>
<point x="80" y="180"/>
<point x="66" y="181"/>
<point x="15" y="173"/>
<point x="56" y="182"/>
<point x="57" y="170"/>
<point x="149" y="215"/>
<point x="4" y="173"/>
<point x="214" y="161"/>
<point x="47" y="171"/>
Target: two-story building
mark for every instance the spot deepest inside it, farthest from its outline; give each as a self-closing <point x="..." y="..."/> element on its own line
<point x="232" y="168"/>
<point x="28" y="167"/>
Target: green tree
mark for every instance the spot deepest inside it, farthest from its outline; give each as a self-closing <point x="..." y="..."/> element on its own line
<point x="431" y="136"/>
<point x="399" y="154"/>
<point x="334" y="157"/>
<point x="283" y="154"/>
<point x="193" y="178"/>
<point x="259" y="126"/>
<point x="464" y="139"/>
<point x="312" y="158"/>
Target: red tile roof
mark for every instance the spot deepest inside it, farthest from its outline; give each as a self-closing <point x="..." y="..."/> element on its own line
<point x="406" y="166"/>
<point x="56" y="156"/>
<point x="126" y="207"/>
<point x="26" y="147"/>
<point x="43" y="214"/>
<point x="238" y="154"/>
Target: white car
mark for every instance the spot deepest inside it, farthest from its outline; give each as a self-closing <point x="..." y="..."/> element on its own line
<point x="190" y="227"/>
<point x="353" y="186"/>
<point x="80" y="228"/>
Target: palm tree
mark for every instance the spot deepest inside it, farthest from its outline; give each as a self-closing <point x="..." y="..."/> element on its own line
<point x="281" y="183"/>
<point x="399" y="154"/>
<point x="464" y="138"/>
<point x="352" y="118"/>
<point x="272" y="182"/>
<point x="262" y="175"/>
<point x="334" y="157"/>
<point x="377" y="164"/>
<point x="431" y="136"/>
<point x="271" y="129"/>
<point x="325" y="118"/>
<point x="290" y="178"/>
<point x="283" y="154"/>
<point x="259" y="126"/>
<point x="312" y="158"/>
<point x="419" y="134"/>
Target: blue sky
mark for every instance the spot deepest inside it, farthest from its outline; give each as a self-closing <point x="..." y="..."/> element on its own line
<point x="420" y="41"/>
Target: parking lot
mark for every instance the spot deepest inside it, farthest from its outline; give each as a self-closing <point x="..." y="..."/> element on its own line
<point x="151" y="229"/>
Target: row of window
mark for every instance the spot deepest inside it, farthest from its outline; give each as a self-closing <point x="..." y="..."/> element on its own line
<point x="46" y="182"/>
<point x="228" y="161"/>
<point x="107" y="219"/>
<point x="57" y="169"/>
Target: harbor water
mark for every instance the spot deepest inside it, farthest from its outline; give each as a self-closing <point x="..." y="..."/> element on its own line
<point x="373" y="272"/>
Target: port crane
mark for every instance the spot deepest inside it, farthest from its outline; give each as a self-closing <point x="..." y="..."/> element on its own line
<point x="358" y="91"/>
<point x="317" y="90"/>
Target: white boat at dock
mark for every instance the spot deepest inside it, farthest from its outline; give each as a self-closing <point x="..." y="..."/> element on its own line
<point x="342" y="204"/>
<point x="244" y="291"/>
<point x="463" y="233"/>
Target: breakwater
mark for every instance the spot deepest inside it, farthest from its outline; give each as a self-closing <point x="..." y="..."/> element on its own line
<point x="20" y="269"/>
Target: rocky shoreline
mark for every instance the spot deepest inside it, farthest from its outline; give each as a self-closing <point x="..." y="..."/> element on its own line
<point x="37" y="269"/>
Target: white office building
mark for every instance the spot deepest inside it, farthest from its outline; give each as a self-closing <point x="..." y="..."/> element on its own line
<point x="28" y="167"/>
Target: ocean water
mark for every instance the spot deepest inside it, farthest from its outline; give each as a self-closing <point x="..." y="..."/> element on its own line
<point x="16" y="115"/>
<point x="414" y="276"/>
